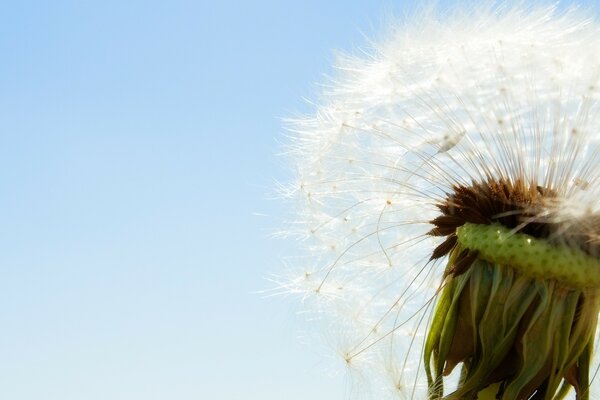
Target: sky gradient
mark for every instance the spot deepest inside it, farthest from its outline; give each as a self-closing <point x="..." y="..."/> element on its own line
<point x="137" y="161"/>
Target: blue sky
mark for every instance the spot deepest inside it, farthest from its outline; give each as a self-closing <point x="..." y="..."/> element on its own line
<point x="137" y="158"/>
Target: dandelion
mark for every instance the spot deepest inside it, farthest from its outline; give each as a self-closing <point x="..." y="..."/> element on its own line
<point x="446" y="206"/>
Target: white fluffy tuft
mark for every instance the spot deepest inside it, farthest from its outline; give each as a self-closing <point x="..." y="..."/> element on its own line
<point x="504" y="93"/>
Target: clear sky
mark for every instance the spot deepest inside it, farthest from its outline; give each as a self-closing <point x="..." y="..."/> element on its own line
<point x="137" y="143"/>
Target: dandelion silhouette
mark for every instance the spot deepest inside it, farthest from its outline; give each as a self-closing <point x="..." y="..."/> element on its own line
<point x="446" y="199"/>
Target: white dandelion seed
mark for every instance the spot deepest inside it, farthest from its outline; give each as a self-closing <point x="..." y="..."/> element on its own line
<point x="446" y="202"/>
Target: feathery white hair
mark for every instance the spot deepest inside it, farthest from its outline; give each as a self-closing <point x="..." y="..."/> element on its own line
<point x="500" y="92"/>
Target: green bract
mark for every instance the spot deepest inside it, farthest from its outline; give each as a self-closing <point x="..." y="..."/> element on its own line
<point x="514" y="333"/>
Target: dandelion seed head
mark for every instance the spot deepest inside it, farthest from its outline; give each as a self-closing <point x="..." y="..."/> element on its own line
<point x="502" y="99"/>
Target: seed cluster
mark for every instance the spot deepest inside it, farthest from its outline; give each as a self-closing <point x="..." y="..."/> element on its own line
<point x="520" y="207"/>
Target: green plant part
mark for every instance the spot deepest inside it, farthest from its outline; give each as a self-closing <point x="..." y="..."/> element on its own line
<point x="530" y="256"/>
<point x="518" y="311"/>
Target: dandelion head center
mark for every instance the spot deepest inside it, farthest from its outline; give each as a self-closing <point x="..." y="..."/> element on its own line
<point x="513" y="223"/>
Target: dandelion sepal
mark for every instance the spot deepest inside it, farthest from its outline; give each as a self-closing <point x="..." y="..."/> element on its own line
<point x="532" y="336"/>
<point x="433" y="339"/>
